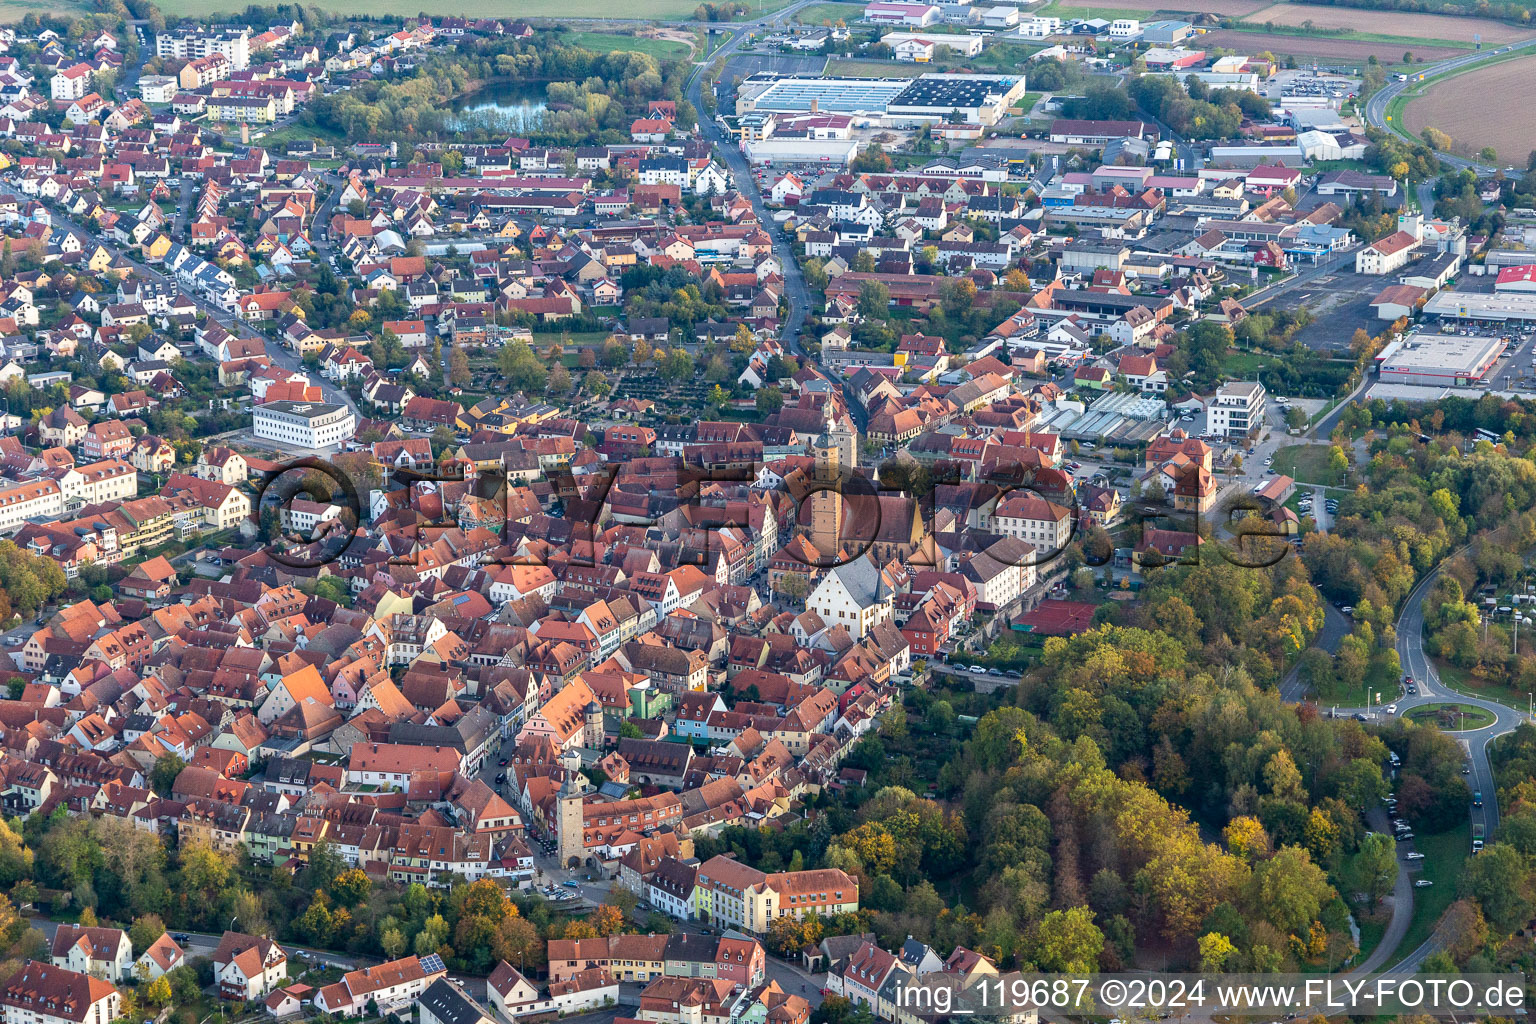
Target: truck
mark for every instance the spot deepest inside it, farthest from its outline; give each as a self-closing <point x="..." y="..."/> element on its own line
<point x="1477" y="837"/>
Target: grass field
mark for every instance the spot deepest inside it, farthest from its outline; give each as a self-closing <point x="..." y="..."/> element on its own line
<point x="608" y="42"/>
<point x="561" y="9"/>
<point x="1307" y="463"/>
<point x="876" y="68"/>
<point x="1227" y="8"/>
<point x="818" y="13"/>
<point x="1424" y="27"/>
<point x="1252" y="39"/>
<point x="1470" y="717"/>
<point x="1444" y="855"/>
<point x="1408" y="43"/>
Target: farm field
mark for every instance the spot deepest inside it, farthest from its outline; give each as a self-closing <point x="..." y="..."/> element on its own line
<point x="1326" y="48"/>
<point x="1486" y="107"/>
<point x="561" y="9"/>
<point x="1226" y="8"/>
<point x="1439" y="27"/>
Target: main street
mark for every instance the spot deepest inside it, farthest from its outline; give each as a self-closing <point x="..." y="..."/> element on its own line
<point x="796" y="293"/>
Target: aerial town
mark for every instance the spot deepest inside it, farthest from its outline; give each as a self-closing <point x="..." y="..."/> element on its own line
<point x="742" y="516"/>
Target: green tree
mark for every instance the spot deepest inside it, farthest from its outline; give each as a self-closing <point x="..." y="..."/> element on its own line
<point x="1290" y="890"/>
<point x="1496" y="878"/>
<point x="162" y="776"/>
<point x="1373" y="870"/>
<point x="1068" y="941"/>
<point x="145" y="930"/>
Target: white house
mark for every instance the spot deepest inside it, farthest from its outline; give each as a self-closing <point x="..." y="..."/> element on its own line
<point x="40" y="993"/>
<point x="248" y="967"/>
<point x="103" y="952"/>
<point x="855" y="596"/>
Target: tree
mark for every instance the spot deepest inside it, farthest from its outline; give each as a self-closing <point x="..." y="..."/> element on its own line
<point x="1068" y="941"/>
<point x="145" y="930"/>
<point x="608" y="920"/>
<point x="597" y="383"/>
<point x="458" y="367"/>
<point x="559" y="381"/>
<point x="350" y="888"/>
<point x="163" y="775"/>
<point x="1338" y="462"/>
<point x="794" y="585"/>
<point x="157" y="992"/>
<point x="1215" y="950"/>
<point x="1496" y="878"/>
<point x="1290" y="889"/>
<point x="1373" y="870"/>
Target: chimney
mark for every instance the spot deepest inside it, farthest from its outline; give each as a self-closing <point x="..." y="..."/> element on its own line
<point x="815" y="104"/>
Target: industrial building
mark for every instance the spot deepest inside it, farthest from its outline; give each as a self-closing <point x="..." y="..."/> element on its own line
<point x="1499" y="308"/>
<point x="1516" y="279"/>
<point x="789" y="152"/>
<point x="888" y="102"/>
<point x="1440" y="359"/>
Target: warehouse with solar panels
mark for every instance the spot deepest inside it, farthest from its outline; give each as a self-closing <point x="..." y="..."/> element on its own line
<point x="884" y="102"/>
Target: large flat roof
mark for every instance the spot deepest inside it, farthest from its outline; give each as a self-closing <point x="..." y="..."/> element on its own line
<point x="838" y="95"/>
<point x="1482" y="305"/>
<point x="1443" y="354"/>
<point x="952" y="92"/>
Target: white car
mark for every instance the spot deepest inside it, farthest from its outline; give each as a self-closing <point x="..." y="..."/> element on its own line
<point x="1423" y="883"/>
<point x="1391" y="709"/>
<point x="1414" y="855"/>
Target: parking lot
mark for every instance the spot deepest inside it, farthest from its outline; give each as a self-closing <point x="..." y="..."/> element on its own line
<point x="1340" y="302"/>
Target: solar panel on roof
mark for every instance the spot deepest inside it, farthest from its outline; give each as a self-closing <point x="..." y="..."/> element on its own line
<point x="432" y="963"/>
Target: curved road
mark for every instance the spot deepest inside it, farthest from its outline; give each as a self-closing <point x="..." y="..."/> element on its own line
<point x="1410" y="650"/>
<point x="1376" y="106"/>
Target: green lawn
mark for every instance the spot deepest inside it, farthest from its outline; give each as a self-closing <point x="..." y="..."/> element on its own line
<point x="1307" y="463"/>
<point x="817" y="13"/>
<point x="559" y="9"/>
<point x="608" y="42"/>
<point x="1470" y="717"/>
<point x="15" y="10"/>
<point x="876" y="68"/>
<point x="288" y="133"/>
<point x="1444" y="855"/>
<point x="1462" y="681"/>
<point x="1406" y="42"/>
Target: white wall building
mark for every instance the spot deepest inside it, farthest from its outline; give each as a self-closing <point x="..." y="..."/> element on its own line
<point x="303" y="424"/>
<point x="1236" y="408"/>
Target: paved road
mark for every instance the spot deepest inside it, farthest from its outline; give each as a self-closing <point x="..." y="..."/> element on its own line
<point x="1410" y="649"/>
<point x="795" y="290"/>
<point x="1376" y="106"/>
<point x="1338" y="261"/>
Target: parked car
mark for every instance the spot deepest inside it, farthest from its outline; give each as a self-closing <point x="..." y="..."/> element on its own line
<point x="1403" y="837"/>
<point x="1423" y="883"/>
<point x="1415" y="855"/>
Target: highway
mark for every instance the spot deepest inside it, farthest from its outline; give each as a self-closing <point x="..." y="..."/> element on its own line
<point x="1376" y="106"/>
